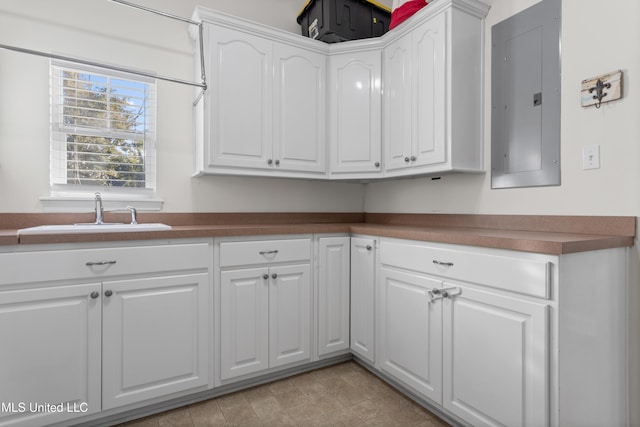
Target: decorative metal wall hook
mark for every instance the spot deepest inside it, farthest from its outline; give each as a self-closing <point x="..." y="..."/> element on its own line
<point x="592" y="90"/>
<point x="599" y="89"/>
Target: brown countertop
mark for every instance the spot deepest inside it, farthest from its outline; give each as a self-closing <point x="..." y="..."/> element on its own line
<point x="552" y="235"/>
<point x="552" y="243"/>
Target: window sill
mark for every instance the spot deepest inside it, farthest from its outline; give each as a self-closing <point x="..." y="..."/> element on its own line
<point x="85" y="202"/>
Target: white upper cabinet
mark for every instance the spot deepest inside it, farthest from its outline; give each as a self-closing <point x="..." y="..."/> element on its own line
<point x="432" y="83"/>
<point x="299" y="142"/>
<point x="415" y="91"/>
<point x="238" y="104"/>
<point x="406" y="103"/>
<point x="264" y="111"/>
<point x="354" y="114"/>
<point x="263" y="306"/>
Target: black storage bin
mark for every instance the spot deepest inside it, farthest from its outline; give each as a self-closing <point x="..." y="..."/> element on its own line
<point x="334" y="21"/>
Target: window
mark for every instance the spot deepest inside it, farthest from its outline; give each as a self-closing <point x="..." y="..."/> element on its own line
<point x="102" y="129"/>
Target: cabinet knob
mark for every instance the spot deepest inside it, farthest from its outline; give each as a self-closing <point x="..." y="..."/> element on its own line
<point x="277" y="162"/>
<point x="265" y="277"/>
<point x="406" y="159"/>
<point x="369" y="247"/>
<point x="377" y="164"/>
<point x="413" y="158"/>
<point x="108" y="293"/>
<point x="274" y="276"/>
<point x="270" y="162"/>
<point x="95" y="294"/>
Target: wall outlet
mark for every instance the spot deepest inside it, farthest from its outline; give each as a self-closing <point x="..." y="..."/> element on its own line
<point x="591" y="157"/>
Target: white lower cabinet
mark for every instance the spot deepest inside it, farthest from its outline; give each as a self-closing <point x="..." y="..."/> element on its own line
<point x="410" y="336"/>
<point x="264" y="322"/>
<point x="333" y="294"/>
<point x="114" y="332"/>
<point x="264" y="305"/>
<point x="50" y="354"/>
<point x="488" y="337"/>
<point x="154" y="337"/>
<point x="482" y="354"/>
<point x="495" y="358"/>
<point x="363" y="277"/>
<point x="244" y="322"/>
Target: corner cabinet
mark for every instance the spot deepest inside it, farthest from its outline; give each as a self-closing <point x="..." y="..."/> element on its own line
<point x="355" y="104"/>
<point x="363" y="279"/>
<point x="264" y="111"/>
<point x="279" y="104"/>
<point x="333" y="294"/>
<point x="433" y="79"/>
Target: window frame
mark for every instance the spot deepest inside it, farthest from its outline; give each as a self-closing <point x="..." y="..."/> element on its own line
<point x="59" y="185"/>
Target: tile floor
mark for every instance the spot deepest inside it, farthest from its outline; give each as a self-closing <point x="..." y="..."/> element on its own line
<point x="340" y="395"/>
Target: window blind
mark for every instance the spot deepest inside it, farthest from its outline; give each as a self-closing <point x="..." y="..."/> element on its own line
<point x="102" y="128"/>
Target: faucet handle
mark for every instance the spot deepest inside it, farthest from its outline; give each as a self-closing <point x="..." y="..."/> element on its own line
<point x="134" y="214"/>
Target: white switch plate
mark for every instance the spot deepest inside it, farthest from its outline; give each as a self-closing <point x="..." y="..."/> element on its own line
<point x="591" y="157"/>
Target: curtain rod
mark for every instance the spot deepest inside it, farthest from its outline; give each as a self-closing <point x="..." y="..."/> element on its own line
<point x="179" y="18"/>
<point x="156" y="11"/>
<point x="202" y="85"/>
<point x="98" y="64"/>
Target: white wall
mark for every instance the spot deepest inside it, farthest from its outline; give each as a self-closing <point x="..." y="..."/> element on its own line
<point x="84" y="29"/>
<point x="588" y="49"/>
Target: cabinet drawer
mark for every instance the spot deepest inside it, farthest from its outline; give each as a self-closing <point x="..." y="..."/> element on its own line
<point x="507" y="271"/>
<point x="95" y="264"/>
<point x="264" y="252"/>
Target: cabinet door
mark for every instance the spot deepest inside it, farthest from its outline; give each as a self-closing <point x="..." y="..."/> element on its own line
<point x="397" y="104"/>
<point x="50" y="354"/>
<point x="362" y="297"/>
<point x="155" y="337"/>
<point x="410" y="340"/>
<point x="428" y="76"/>
<point x="244" y="322"/>
<point x="240" y="97"/>
<point x="333" y="294"/>
<point x="355" y="112"/>
<point x="496" y="366"/>
<point x="299" y="142"/>
<point x="289" y="314"/>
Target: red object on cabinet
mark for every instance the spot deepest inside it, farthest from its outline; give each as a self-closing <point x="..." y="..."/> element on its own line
<point x="405" y="11"/>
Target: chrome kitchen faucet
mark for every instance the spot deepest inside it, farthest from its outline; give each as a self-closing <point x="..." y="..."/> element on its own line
<point x="99" y="209"/>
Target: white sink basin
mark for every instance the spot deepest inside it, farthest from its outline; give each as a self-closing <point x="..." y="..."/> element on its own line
<point x="93" y="228"/>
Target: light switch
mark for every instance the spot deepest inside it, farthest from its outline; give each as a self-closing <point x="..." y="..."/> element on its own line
<point x="591" y="157"/>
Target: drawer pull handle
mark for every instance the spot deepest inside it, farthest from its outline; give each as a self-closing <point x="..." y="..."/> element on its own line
<point x="265" y="277"/>
<point x="92" y="263"/>
<point x="268" y="252"/>
<point x="369" y="247"/>
<point x="444" y="264"/>
<point x="94" y="294"/>
<point x="108" y="293"/>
